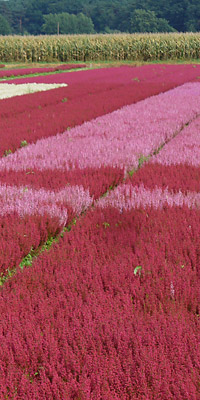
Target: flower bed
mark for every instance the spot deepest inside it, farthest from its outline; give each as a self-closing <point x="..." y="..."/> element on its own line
<point x="90" y="94"/>
<point x="112" y="310"/>
<point x="58" y="176"/>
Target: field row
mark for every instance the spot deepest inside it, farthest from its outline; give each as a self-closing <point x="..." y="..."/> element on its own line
<point x="100" y="47"/>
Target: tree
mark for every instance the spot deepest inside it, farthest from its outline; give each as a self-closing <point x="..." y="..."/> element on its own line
<point x="146" y="21"/>
<point x="67" y="23"/>
<point x="192" y="22"/>
<point x="5" y="28"/>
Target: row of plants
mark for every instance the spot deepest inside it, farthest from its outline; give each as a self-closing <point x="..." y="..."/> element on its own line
<point x="69" y="48"/>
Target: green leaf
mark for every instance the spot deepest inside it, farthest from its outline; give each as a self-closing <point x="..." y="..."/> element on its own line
<point x="138" y="268"/>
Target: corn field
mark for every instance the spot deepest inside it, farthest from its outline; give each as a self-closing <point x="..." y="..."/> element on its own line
<point x="133" y="47"/>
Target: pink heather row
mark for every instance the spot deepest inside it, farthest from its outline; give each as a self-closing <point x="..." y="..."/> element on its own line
<point x="183" y="149"/>
<point x="116" y="139"/>
<point x="27" y="71"/>
<point x="28" y="201"/>
<point x="126" y="197"/>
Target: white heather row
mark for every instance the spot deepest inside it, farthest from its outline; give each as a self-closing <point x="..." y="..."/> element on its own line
<point x="10" y="90"/>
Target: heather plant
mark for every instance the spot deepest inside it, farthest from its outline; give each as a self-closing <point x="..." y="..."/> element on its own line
<point x="94" y="328"/>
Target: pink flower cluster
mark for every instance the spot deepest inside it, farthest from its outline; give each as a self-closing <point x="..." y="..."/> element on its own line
<point x="188" y="145"/>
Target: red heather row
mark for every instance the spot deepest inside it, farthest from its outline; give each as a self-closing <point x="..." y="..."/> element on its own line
<point x="2" y="65"/>
<point x="97" y="180"/>
<point x="90" y="94"/>
<point x="176" y="178"/>
<point x="111" y="313"/>
<point x="19" y="235"/>
<point x="29" y="71"/>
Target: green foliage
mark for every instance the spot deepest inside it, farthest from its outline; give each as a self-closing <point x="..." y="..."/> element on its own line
<point x="65" y="23"/>
<point x="23" y="143"/>
<point x="5" y="28"/>
<point x="137" y="270"/>
<point x="7" y="152"/>
<point x="106" y="16"/>
<point x="146" y="21"/>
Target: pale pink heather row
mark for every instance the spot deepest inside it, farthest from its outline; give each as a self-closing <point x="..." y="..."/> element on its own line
<point x="183" y="149"/>
<point x="116" y="139"/>
<point x="27" y="201"/>
<point x="127" y="197"/>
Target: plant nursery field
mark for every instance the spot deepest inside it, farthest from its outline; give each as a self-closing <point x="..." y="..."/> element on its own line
<point x="100" y="233"/>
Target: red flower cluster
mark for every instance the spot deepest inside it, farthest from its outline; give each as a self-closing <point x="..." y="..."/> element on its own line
<point x="112" y="312"/>
<point x="40" y="70"/>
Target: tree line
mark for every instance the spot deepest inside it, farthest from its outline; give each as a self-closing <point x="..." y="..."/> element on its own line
<point x="37" y="17"/>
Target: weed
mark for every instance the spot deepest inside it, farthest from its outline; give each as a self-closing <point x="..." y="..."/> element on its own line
<point x="7" y="152"/>
<point x="23" y="143"/>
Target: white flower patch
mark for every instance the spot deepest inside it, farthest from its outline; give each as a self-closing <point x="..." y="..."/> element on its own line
<point x="10" y="90"/>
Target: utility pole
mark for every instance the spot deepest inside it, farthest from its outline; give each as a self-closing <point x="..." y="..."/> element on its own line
<point x="58" y="29"/>
<point x="20" y="26"/>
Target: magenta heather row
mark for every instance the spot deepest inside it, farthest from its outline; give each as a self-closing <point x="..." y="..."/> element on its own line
<point x="111" y="313"/>
<point x="127" y="197"/>
<point x="27" y="71"/>
<point x="117" y="139"/>
<point x="183" y="149"/>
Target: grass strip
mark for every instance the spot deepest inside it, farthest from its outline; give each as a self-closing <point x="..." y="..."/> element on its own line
<point x="13" y="77"/>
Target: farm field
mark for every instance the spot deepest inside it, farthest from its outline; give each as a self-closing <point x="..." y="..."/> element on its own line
<point x="106" y="169"/>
